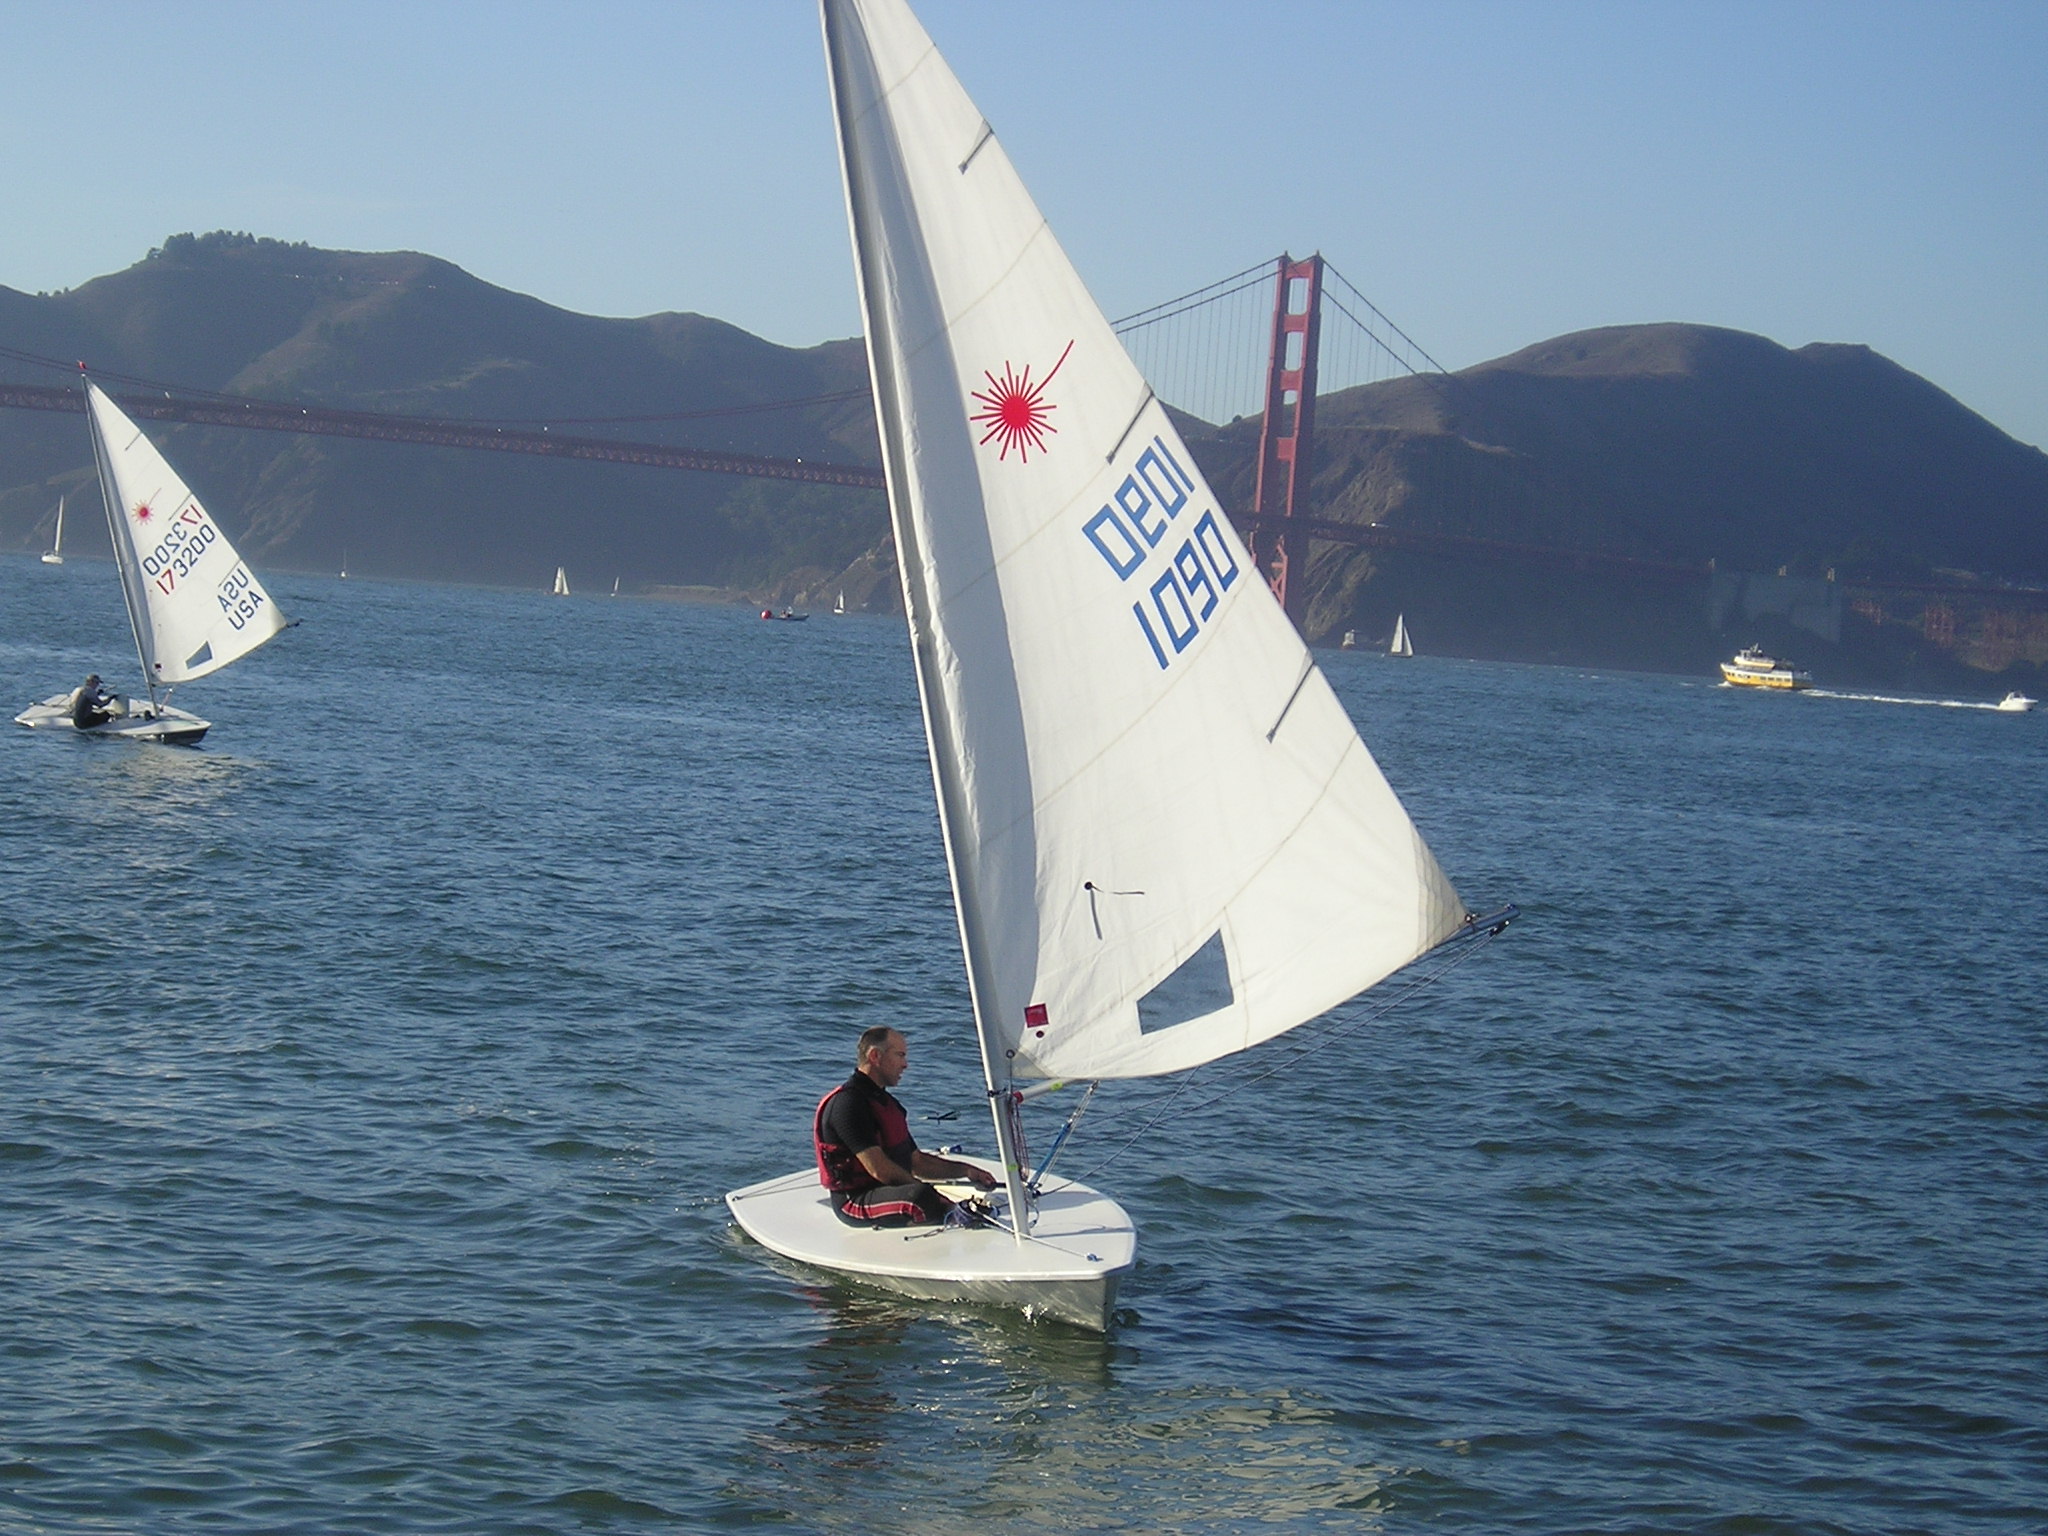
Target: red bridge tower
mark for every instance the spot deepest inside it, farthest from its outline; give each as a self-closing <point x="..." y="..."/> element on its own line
<point x="1287" y="440"/>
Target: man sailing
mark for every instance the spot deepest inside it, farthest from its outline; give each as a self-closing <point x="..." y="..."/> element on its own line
<point x="867" y="1158"/>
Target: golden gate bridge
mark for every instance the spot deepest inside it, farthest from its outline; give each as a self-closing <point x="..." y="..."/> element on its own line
<point x="1269" y="339"/>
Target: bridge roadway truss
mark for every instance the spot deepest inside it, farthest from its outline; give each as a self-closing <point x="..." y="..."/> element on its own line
<point x="267" y="416"/>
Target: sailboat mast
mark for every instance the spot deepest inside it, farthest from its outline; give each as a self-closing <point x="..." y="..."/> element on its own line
<point x="124" y="553"/>
<point x="869" y="269"/>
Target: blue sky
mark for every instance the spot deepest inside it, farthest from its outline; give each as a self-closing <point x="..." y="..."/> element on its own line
<point x="1490" y="174"/>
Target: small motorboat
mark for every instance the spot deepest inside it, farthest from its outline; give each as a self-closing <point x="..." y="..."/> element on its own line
<point x="2015" y="703"/>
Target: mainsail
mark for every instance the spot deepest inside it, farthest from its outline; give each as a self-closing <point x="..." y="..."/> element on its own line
<point x="194" y="604"/>
<point x="1166" y="840"/>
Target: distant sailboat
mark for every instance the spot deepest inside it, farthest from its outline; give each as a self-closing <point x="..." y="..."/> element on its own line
<point x="615" y="586"/>
<point x="56" y="554"/>
<point x="561" y="582"/>
<point x="1400" y="645"/>
<point x="840" y="606"/>
<point x="344" y="565"/>
<point x="193" y="603"/>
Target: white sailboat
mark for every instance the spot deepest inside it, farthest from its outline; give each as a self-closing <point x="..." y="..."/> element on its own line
<point x="1166" y="841"/>
<point x="840" y="605"/>
<point x="1400" y="645"/>
<point x="561" y="582"/>
<point x="193" y="603"/>
<point x="615" y="586"/>
<point x="56" y="554"/>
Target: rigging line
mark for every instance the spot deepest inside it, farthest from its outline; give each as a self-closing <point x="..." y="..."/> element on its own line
<point x="1141" y="1133"/>
<point x="1401" y="995"/>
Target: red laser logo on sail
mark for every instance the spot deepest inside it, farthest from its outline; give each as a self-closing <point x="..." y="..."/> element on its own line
<point x="1015" y="410"/>
<point x="142" y="511"/>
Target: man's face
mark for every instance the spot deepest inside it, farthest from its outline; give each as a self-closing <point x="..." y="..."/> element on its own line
<point x="890" y="1058"/>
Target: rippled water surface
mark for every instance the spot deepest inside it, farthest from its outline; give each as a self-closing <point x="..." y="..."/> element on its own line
<point x="366" y="1076"/>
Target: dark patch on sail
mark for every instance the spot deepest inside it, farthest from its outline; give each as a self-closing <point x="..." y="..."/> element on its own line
<point x="1201" y="985"/>
<point x="200" y="657"/>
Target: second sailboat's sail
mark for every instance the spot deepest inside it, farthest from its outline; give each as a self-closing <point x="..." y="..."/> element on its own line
<point x="194" y="602"/>
<point x="1167" y="841"/>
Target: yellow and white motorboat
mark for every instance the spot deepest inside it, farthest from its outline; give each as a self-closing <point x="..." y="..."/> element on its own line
<point x="1751" y="668"/>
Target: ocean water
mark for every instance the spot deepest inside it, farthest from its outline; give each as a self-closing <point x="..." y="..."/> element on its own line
<point x="368" y="1076"/>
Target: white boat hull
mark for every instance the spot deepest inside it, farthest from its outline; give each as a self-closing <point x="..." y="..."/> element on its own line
<point x="142" y="722"/>
<point x="1080" y="1247"/>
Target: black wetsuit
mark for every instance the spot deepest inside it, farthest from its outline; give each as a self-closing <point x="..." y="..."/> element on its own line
<point x="89" y="706"/>
<point x="860" y="1113"/>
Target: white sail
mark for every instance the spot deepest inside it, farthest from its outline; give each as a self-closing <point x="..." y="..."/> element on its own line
<point x="194" y="603"/>
<point x="56" y="554"/>
<point x="561" y="582"/>
<point x="1167" y="842"/>
<point x="1400" y="645"/>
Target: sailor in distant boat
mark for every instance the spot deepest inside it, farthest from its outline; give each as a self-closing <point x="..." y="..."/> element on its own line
<point x="867" y="1158"/>
<point x="91" y="705"/>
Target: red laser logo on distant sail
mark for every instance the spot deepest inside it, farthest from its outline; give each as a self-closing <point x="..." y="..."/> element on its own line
<point x="1015" y="410"/>
<point x="142" y="512"/>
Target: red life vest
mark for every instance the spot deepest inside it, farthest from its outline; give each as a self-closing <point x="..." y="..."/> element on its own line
<point x="840" y="1170"/>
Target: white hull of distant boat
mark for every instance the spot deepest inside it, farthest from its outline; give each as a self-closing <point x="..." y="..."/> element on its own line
<point x="1081" y="1245"/>
<point x="134" y="722"/>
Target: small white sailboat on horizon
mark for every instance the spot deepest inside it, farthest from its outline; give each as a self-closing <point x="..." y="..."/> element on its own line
<point x="561" y="581"/>
<point x="1165" y="839"/>
<point x="193" y="603"/>
<point x="840" y="605"/>
<point x="1400" y="645"/>
<point x="56" y="554"/>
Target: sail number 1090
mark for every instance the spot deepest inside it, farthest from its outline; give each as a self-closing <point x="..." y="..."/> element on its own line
<point x="1183" y="583"/>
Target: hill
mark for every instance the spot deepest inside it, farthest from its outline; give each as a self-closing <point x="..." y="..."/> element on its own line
<point x="1683" y="444"/>
<point x="402" y="332"/>
<point x="1853" y="513"/>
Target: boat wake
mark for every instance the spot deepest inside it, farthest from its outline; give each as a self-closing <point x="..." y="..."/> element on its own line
<point x="1883" y="698"/>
